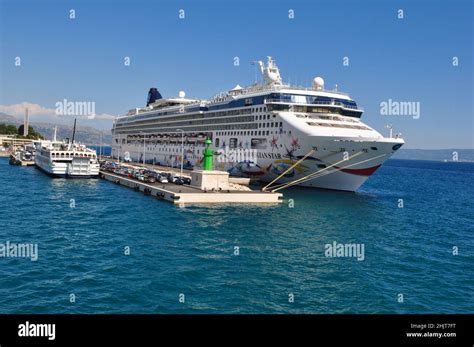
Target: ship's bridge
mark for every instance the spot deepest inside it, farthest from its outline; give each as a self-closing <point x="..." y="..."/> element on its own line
<point x="313" y="103"/>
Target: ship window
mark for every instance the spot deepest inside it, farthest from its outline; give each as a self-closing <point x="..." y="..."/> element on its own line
<point x="374" y="148"/>
<point x="258" y="143"/>
<point x="233" y="143"/>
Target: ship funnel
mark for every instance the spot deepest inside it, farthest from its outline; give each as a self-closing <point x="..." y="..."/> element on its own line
<point x="153" y="95"/>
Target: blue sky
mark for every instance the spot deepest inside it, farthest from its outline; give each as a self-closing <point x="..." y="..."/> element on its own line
<point x="389" y="58"/>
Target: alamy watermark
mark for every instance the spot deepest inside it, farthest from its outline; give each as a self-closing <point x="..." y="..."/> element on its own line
<point x="28" y="329"/>
<point x="19" y="250"/>
<point x="345" y="250"/>
<point x="400" y="108"/>
<point x="75" y="108"/>
<point x="237" y="155"/>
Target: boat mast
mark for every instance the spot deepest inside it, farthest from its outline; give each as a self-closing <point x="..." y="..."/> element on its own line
<point x="73" y="132"/>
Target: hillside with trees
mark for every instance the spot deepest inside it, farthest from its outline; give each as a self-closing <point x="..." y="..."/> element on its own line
<point x="10" y="129"/>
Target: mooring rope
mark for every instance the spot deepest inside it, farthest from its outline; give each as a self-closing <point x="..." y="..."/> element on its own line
<point x="319" y="173"/>
<point x="285" y="185"/>
<point x="291" y="167"/>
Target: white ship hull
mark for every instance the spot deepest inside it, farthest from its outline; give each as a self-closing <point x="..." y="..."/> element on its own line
<point x="328" y="159"/>
<point x="63" y="170"/>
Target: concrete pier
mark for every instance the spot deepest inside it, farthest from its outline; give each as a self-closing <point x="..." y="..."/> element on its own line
<point x="185" y="194"/>
<point x="244" y="181"/>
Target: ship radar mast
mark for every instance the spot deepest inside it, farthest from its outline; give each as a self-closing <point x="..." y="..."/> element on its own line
<point x="270" y="72"/>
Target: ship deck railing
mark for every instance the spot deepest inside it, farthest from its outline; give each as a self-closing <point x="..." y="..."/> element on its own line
<point x="319" y="103"/>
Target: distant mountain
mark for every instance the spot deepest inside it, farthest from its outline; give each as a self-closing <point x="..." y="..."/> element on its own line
<point x="435" y="154"/>
<point x="84" y="134"/>
<point x="7" y="119"/>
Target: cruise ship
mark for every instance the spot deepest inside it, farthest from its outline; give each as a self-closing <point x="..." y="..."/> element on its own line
<point x="66" y="159"/>
<point x="282" y="134"/>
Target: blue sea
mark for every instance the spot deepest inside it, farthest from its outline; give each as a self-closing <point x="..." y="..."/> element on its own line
<point x="418" y="258"/>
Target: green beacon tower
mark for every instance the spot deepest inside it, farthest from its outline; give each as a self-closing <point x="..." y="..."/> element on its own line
<point x="208" y="154"/>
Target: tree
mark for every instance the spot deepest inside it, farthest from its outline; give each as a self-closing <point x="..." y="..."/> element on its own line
<point x="8" y="129"/>
<point x="32" y="134"/>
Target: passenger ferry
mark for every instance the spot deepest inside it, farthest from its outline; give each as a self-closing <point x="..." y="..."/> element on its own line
<point x="310" y="137"/>
<point x="66" y="159"/>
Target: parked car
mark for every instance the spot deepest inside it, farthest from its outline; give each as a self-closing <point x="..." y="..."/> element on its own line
<point x="177" y="180"/>
<point x="181" y="180"/>
<point x="163" y="179"/>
